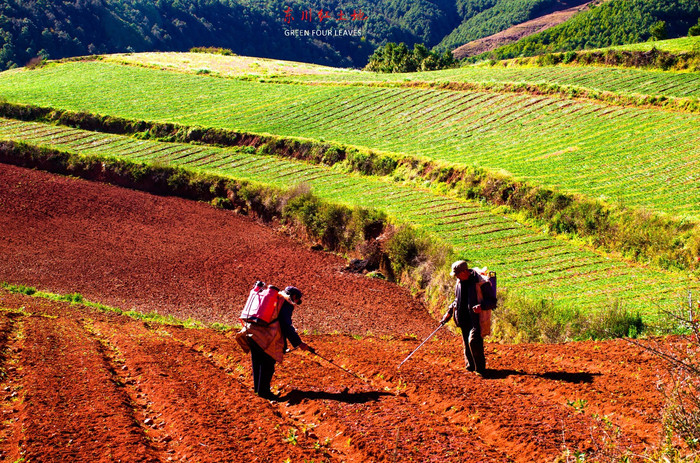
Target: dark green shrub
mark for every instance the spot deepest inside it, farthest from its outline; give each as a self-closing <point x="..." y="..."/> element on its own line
<point x="333" y="155"/>
<point x="222" y="203"/>
<point x="335" y="232"/>
<point x="306" y="209"/>
<point x="213" y="50"/>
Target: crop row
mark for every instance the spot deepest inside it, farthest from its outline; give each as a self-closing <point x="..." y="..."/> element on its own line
<point x="639" y="157"/>
<point x="526" y="261"/>
<point x="608" y="79"/>
<point x="615" y="80"/>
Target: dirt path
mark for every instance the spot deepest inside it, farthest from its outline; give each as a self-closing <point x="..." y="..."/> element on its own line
<point x="82" y="385"/>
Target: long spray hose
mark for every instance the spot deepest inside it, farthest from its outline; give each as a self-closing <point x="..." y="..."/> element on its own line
<point x="421" y="344"/>
<point x="339" y="367"/>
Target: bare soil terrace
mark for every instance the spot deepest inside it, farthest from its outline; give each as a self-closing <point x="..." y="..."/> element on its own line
<point x="78" y="384"/>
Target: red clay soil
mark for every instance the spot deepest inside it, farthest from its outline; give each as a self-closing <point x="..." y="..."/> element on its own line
<point x="77" y="384"/>
<point x="134" y="250"/>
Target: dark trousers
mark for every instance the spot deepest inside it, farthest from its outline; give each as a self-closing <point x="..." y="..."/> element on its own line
<point x="473" y="345"/>
<point x="263" y="369"/>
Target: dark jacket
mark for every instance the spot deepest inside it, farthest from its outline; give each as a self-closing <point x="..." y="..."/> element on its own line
<point x="288" y="331"/>
<point x="466" y="299"/>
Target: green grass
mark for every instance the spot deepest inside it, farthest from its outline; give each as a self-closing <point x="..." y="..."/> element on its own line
<point x="680" y="45"/>
<point x="530" y="263"/>
<point x="617" y="80"/>
<point x="623" y="155"/>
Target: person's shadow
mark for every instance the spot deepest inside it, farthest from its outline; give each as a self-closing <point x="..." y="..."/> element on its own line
<point x="295" y="396"/>
<point x="576" y="378"/>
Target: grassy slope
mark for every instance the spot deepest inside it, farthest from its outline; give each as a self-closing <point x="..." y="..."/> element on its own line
<point x="579" y="146"/>
<point x="618" y="80"/>
<point x="680" y="45"/>
<point x="640" y="157"/>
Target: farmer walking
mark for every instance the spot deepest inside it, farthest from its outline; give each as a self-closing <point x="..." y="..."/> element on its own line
<point x="268" y="341"/>
<point x="466" y="309"/>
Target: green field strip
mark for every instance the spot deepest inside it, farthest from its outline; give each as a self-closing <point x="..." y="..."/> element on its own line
<point x="194" y="158"/>
<point x="585" y="276"/>
<point x="526" y="242"/>
<point x="43" y="133"/>
<point x="609" y="79"/>
<point x="188" y="152"/>
<point x="548" y="252"/>
<point x="600" y="282"/>
<point x="95" y="140"/>
<point x="559" y="264"/>
<point x="637" y="295"/>
<point x="614" y="288"/>
<point x="398" y="129"/>
<point x="640" y="280"/>
<point x="55" y="137"/>
<point x="96" y="149"/>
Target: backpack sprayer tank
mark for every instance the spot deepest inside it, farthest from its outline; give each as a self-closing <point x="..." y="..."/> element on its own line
<point x="261" y="305"/>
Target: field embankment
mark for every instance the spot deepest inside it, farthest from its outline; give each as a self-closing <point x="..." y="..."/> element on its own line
<point x="167" y="393"/>
<point x="524" y="254"/>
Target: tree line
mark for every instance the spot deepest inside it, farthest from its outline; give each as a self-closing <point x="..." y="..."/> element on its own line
<point x="62" y="28"/>
<point x="53" y="29"/>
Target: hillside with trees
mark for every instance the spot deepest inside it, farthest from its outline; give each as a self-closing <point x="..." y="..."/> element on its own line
<point x="64" y="28"/>
<point x="482" y="18"/>
<point x="43" y="29"/>
<point x="58" y="29"/>
<point x="616" y="22"/>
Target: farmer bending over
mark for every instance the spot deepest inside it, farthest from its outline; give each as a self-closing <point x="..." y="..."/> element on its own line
<point x="274" y="337"/>
<point x="466" y="309"/>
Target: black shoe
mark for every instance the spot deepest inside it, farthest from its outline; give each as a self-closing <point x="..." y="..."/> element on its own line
<point x="470" y="368"/>
<point x="268" y="396"/>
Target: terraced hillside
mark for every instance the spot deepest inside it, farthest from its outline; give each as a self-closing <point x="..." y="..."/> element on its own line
<point x="643" y="157"/>
<point x="536" y="263"/>
<point x="576" y="146"/>
<point x="590" y="78"/>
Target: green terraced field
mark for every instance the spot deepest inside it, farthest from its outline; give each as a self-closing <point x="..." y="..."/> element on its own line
<point x="638" y="157"/>
<point x="531" y="263"/>
<point x="680" y="45"/>
<point x="615" y="80"/>
<point x="627" y="81"/>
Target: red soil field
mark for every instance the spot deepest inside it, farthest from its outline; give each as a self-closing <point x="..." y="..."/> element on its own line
<point x="78" y="384"/>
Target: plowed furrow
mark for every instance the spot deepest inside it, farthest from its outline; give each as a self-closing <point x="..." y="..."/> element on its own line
<point x="74" y="411"/>
<point x="528" y="411"/>
<point x="11" y="389"/>
<point x="207" y="414"/>
<point x="372" y="416"/>
<point x="367" y="421"/>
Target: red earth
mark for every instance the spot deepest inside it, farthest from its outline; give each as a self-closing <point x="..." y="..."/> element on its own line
<point x="79" y="384"/>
